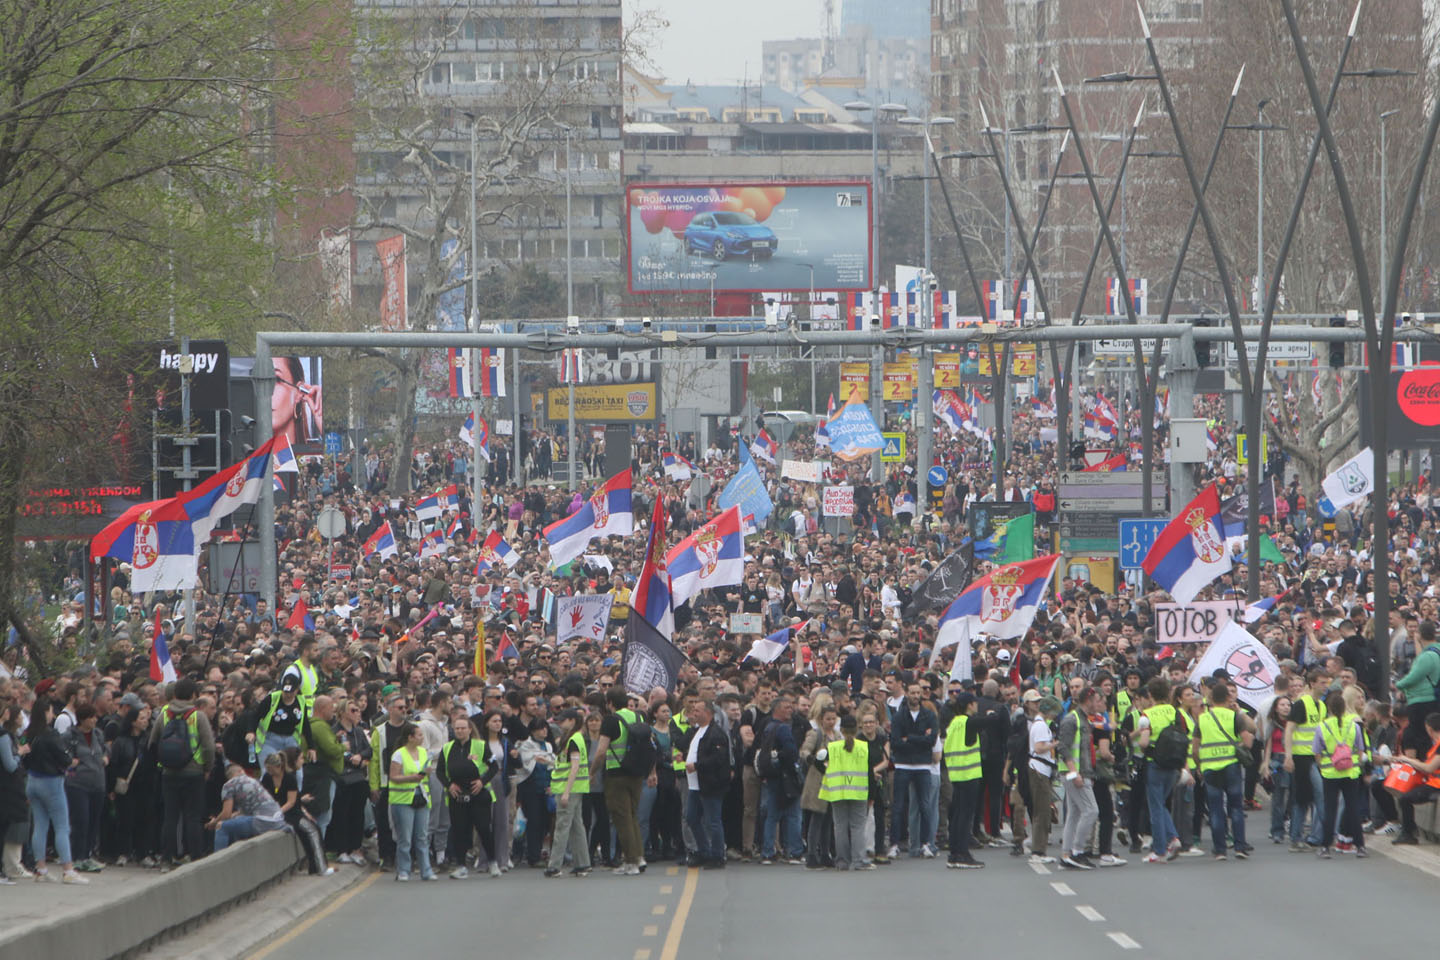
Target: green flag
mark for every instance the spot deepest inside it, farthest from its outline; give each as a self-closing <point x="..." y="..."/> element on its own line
<point x="1019" y="540"/>
<point x="1269" y="553"/>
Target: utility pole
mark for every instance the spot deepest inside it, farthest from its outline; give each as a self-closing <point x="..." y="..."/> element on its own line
<point x="476" y="374"/>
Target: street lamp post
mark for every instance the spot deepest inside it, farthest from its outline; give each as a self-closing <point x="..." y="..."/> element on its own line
<point x="1259" y="128"/>
<point x="877" y="403"/>
<point x="925" y="178"/>
<point x="569" y="308"/>
<point x="475" y="372"/>
<point x="1383" y="222"/>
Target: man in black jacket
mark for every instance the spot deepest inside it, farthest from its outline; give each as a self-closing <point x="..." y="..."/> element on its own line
<point x="913" y="742"/>
<point x="707" y="772"/>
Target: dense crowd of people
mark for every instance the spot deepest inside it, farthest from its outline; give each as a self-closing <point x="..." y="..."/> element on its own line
<point x="359" y="717"/>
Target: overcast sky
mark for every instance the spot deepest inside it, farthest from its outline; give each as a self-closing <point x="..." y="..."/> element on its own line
<point x="711" y="41"/>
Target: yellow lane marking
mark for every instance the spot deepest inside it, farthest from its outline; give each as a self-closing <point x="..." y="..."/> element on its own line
<point x="315" y="918"/>
<point x="658" y="910"/>
<point x="666" y="889"/>
<point x="651" y="930"/>
<point x="682" y="912"/>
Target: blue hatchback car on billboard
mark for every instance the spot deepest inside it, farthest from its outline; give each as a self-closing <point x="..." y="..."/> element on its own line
<point x="729" y="234"/>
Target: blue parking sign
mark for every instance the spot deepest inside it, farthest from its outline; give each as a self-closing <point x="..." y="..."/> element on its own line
<point x="1136" y="538"/>
<point x="332" y="443"/>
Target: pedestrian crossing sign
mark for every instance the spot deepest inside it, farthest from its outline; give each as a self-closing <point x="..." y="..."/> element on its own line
<point x="894" y="449"/>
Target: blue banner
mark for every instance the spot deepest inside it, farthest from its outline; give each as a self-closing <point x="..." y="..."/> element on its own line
<point x="853" y="433"/>
<point x="747" y="491"/>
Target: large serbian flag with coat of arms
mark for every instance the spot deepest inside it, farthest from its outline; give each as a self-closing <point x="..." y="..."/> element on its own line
<point x="1190" y="552"/>
<point x="1001" y="604"/>
<point x="607" y="513"/>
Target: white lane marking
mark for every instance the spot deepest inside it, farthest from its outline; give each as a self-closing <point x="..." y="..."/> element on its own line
<point x="1090" y="913"/>
<point x="1062" y="888"/>
<point x="1040" y="868"/>
<point x="1123" y="940"/>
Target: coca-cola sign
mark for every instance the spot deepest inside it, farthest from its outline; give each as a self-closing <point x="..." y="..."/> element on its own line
<point x="1418" y="395"/>
<point x="1411" y="412"/>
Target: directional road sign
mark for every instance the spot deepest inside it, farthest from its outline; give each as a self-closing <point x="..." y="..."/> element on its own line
<point x="1136" y="538"/>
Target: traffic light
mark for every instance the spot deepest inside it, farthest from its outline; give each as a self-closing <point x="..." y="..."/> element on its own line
<point x="1202" y="347"/>
<point x="1337" y="347"/>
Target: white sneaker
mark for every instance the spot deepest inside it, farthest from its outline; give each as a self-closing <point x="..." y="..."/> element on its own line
<point x="402" y="877"/>
<point x="894" y="853"/>
<point x="1110" y="860"/>
<point x="459" y="873"/>
<point x="328" y="872"/>
<point x="619" y="871"/>
<point x="1192" y="852"/>
<point x="928" y="852"/>
<point x="632" y="870"/>
<point x="71" y="876"/>
<point x="1040" y="858"/>
<point x="494" y="869"/>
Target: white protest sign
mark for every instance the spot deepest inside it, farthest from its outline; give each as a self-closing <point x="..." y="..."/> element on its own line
<point x="583" y="615"/>
<point x="1248" y="662"/>
<point x="806" y="471"/>
<point x="1196" y="622"/>
<point x="838" y="502"/>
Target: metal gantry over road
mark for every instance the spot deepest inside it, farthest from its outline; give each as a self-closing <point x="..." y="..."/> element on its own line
<point x="1180" y="376"/>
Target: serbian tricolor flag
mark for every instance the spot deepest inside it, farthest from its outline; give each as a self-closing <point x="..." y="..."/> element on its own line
<point x="822" y="429"/>
<point x="161" y="669"/>
<point x="572" y="367"/>
<point x="942" y="311"/>
<point x="651" y="596"/>
<point x="473" y="432"/>
<point x="1190" y="552"/>
<point x="1001" y="604"/>
<point x="763" y="447"/>
<point x="1260" y="608"/>
<point x="1113" y="306"/>
<point x="381" y="543"/>
<point x="607" y="513"/>
<point x="435" y="505"/>
<point x="713" y="556"/>
<point x="676" y="466"/>
<point x="950" y="410"/>
<point x="1041" y="410"/>
<point x="284" y="455"/>
<point x="994" y="299"/>
<point x="432" y="544"/>
<point x="490" y="371"/>
<point x="1115" y="464"/>
<point x="457" y="363"/>
<point x="771" y="648"/>
<point x="890" y="309"/>
<point x="855" y="310"/>
<point x="495" y="552"/>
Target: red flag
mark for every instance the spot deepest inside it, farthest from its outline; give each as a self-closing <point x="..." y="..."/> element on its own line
<point x="299" y="617"/>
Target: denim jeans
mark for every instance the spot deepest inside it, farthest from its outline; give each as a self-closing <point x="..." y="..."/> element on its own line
<point x="1316" y="800"/>
<point x="929" y="818"/>
<point x="274" y="743"/>
<point x="322" y="822"/>
<point x="912" y="793"/>
<point x="411" y="826"/>
<point x="1279" y="799"/>
<point x="48" y="808"/>
<point x="1233" y="795"/>
<point x="703" y="814"/>
<point x="785" y="815"/>
<point x="647" y="806"/>
<point x="241" y="828"/>
<point x="1159" y="784"/>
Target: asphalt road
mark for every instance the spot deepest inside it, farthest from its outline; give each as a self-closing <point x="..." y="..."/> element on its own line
<point x="1191" y="908"/>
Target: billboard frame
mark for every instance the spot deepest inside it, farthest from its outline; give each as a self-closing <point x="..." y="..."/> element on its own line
<point x="769" y="182"/>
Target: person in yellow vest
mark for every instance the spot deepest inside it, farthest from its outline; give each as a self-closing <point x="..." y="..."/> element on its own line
<point x="465" y="770"/>
<point x="963" y="767"/>
<point x="1074" y="740"/>
<point x="1306" y="787"/>
<point x="1341" y="753"/>
<point x="1187" y="702"/>
<point x="409" y="797"/>
<point x="1220" y="731"/>
<point x="305" y="671"/>
<point x="569" y="784"/>
<point x="846" y="787"/>
<point x="1161" y="777"/>
<point x="281" y="722"/>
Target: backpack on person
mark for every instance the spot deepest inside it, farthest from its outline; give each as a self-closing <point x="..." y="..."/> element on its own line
<point x="1172" y="746"/>
<point x="641" y="751"/>
<point x="176" y="750"/>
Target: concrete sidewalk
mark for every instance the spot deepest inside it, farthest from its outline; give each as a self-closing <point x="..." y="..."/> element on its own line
<point x="123" y="909"/>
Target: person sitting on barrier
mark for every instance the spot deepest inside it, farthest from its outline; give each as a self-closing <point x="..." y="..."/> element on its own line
<point x="246" y="810"/>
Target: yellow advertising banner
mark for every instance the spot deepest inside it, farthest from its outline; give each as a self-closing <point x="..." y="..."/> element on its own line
<point x="1024" y="359"/>
<point x="854" y="383"/>
<point x="899" y="379"/>
<point x="946" y="371"/>
<point x="607" y="402"/>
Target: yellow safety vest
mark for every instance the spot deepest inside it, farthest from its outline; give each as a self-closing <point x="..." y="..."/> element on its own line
<point x="1122" y="705"/>
<point x="309" y="684"/>
<point x="1311" y="713"/>
<point x="1160" y="716"/>
<point x="678" y="765"/>
<point x="616" y="751"/>
<point x="847" y="772"/>
<point x="1330" y="730"/>
<point x="1217" y="739"/>
<point x="477" y="756"/>
<point x="961" y="762"/>
<point x="403" y="794"/>
<point x="192" y="723"/>
<point x="562" y="768"/>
